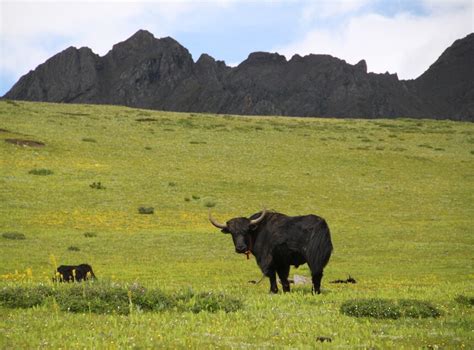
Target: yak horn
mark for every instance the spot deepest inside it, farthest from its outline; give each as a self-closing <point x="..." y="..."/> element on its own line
<point x="215" y="223"/>
<point x="260" y="218"/>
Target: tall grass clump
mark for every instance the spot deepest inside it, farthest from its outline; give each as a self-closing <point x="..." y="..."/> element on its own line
<point x="94" y="297"/>
<point x="13" y="235"/>
<point x="465" y="300"/>
<point x="113" y="298"/>
<point x="207" y="301"/>
<point x="389" y="309"/>
<point x="40" y="172"/>
<point x="22" y="297"/>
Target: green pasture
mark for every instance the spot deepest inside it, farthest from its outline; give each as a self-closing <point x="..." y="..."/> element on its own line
<point x="398" y="196"/>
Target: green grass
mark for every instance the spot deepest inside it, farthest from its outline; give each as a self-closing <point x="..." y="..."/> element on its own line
<point x="397" y="194"/>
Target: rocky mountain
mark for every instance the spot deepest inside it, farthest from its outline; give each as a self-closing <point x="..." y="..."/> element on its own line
<point x="160" y="74"/>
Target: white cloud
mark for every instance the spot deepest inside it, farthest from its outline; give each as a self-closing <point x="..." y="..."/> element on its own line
<point x="330" y="8"/>
<point x="405" y="44"/>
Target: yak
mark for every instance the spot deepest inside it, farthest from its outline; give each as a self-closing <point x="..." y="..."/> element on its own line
<point x="71" y="273"/>
<point x="279" y="241"/>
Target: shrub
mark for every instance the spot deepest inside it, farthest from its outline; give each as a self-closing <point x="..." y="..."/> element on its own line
<point x="73" y="248"/>
<point x="210" y="204"/>
<point x="145" y="210"/>
<point x="376" y="308"/>
<point x="97" y="186"/>
<point x="96" y="298"/>
<point x="110" y="298"/>
<point x="24" y="297"/>
<point x="381" y="308"/>
<point x="90" y="234"/>
<point x="465" y="300"/>
<point x="207" y="301"/>
<point x="88" y="139"/>
<point x="13" y="235"/>
<point x="418" y="309"/>
<point x="152" y="300"/>
<point x="41" y="172"/>
<point x="195" y="197"/>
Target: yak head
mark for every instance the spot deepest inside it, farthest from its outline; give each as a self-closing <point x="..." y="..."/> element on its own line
<point x="240" y="229"/>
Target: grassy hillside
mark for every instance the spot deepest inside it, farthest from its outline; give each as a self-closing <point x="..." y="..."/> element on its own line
<point x="398" y="196"/>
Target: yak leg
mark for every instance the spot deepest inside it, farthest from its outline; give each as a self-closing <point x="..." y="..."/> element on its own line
<point x="283" y="273"/>
<point x="273" y="282"/>
<point x="317" y="276"/>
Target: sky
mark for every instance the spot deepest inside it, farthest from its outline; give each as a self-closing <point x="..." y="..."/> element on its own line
<point x="396" y="36"/>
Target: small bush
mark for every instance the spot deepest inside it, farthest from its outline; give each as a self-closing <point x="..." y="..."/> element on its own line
<point x="41" y="172"/>
<point x="73" y="248"/>
<point x="210" y="204"/>
<point x="187" y="199"/>
<point x="207" y="301"/>
<point x="13" y="235"/>
<point x="152" y="300"/>
<point x="376" y="308"/>
<point x="110" y="298"/>
<point x="465" y="300"/>
<point x="97" y="186"/>
<point x="418" y="309"/>
<point x="146" y="210"/>
<point x="195" y="197"/>
<point x="90" y="234"/>
<point x="23" y="297"/>
<point x="88" y="139"/>
<point x="96" y="298"/>
<point x="383" y="309"/>
<point x="172" y="184"/>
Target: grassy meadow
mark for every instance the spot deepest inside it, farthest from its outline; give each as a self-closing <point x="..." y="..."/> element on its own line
<point x="398" y="196"/>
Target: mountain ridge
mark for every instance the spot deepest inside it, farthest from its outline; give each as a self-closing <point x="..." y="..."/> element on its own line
<point x="146" y="72"/>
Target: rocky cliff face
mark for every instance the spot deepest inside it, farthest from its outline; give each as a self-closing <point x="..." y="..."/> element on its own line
<point x="160" y="74"/>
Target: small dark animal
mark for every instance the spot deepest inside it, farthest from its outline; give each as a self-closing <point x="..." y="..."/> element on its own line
<point x="278" y="241"/>
<point x="73" y="273"/>
<point x="348" y="280"/>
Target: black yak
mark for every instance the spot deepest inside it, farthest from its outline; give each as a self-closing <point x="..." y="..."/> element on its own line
<point x="278" y="241"/>
<point x="72" y="273"/>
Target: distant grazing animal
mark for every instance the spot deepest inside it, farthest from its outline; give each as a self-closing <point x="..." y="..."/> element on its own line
<point x="278" y="241"/>
<point x="73" y="273"/>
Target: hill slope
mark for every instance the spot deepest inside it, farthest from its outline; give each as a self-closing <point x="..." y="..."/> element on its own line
<point x="160" y="74"/>
<point x="397" y="195"/>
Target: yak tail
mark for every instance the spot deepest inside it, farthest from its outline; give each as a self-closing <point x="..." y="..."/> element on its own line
<point x="320" y="247"/>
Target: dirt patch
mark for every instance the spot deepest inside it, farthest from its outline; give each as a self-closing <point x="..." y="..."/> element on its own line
<point x="146" y="120"/>
<point x="25" y="143"/>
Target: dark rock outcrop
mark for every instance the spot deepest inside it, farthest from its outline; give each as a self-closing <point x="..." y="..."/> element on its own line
<point x="160" y="74"/>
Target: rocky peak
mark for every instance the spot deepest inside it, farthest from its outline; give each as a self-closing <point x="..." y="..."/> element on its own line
<point x="147" y="72"/>
<point x="259" y="58"/>
<point x="361" y="66"/>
